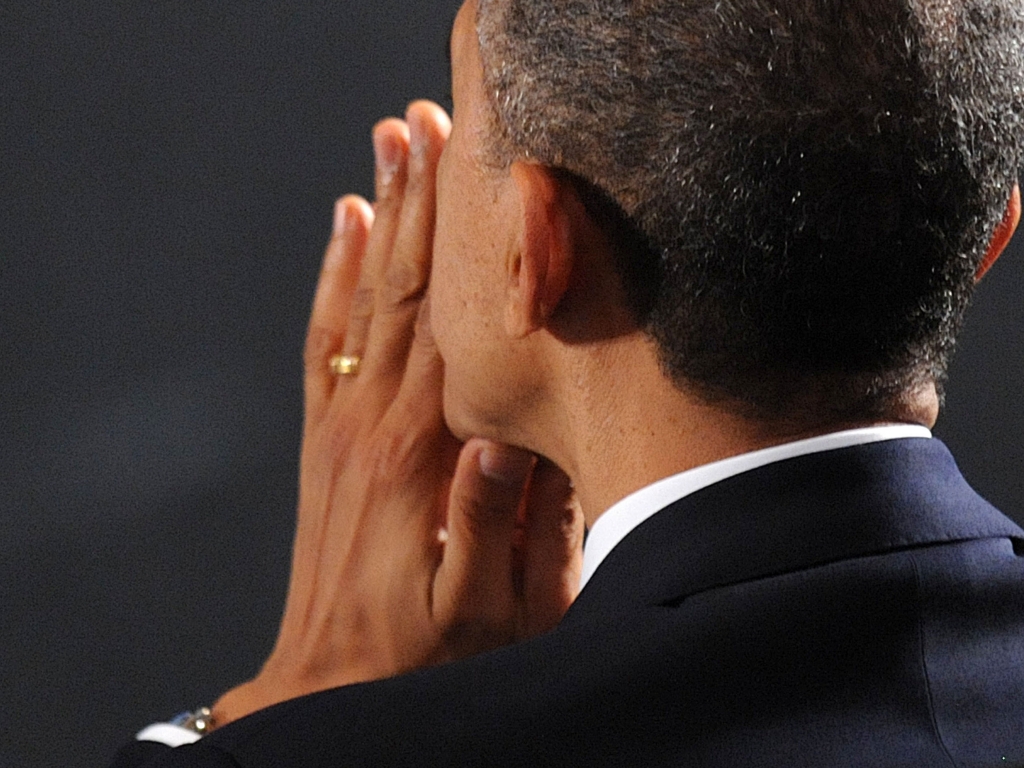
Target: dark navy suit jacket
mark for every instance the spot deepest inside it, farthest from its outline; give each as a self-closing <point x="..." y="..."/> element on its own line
<point x="860" y="607"/>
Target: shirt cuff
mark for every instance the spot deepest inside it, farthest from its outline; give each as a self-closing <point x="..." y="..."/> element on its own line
<point x="167" y="733"/>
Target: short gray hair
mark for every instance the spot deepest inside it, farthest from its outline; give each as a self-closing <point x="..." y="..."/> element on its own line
<point x="817" y="180"/>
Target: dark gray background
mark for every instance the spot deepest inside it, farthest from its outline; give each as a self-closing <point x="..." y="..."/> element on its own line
<point x="167" y="173"/>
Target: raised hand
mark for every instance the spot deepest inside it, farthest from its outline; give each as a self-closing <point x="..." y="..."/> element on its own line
<point x="411" y="549"/>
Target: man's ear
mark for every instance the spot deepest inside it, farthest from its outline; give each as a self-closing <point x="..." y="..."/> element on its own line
<point x="1001" y="237"/>
<point x="540" y="264"/>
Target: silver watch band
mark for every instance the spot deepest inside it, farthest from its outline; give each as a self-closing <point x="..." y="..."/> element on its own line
<point x="198" y="721"/>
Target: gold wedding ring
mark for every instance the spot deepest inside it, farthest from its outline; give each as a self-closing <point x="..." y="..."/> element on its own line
<point x="344" y="365"/>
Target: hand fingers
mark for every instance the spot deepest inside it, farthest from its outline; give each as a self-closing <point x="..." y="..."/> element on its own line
<point x="421" y="392"/>
<point x="339" y="272"/>
<point x="474" y="594"/>
<point x="391" y="149"/>
<point x="408" y="270"/>
<point x="552" y="550"/>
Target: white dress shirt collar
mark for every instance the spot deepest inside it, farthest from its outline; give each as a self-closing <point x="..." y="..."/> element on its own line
<point x="626" y="514"/>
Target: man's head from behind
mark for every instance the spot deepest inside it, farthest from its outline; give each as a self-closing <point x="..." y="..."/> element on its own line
<point x="809" y="186"/>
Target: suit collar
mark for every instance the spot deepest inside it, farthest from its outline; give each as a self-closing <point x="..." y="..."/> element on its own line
<point x="792" y="515"/>
<point x="626" y="514"/>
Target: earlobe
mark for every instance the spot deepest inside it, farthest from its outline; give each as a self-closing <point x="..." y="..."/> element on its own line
<point x="539" y="268"/>
<point x="1003" y="234"/>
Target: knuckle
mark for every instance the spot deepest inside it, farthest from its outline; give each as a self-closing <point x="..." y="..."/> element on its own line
<point x="424" y="335"/>
<point x="405" y="281"/>
<point x="485" y="515"/>
<point x="477" y="514"/>
<point x="361" y="307"/>
<point x="390" y="196"/>
<point x="420" y="181"/>
<point x="571" y="521"/>
<point x="394" y="452"/>
<point x="320" y="344"/>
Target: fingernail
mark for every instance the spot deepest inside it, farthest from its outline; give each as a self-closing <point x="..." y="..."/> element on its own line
<point x="417" y="136"/>
<point x="505" y="464"/>
<point x="340" y="215"/>
<point x="347" y="216"/>
<point x="388" y="155"/>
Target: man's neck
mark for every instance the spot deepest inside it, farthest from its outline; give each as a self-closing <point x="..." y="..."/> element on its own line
<point x="622" y="425"/>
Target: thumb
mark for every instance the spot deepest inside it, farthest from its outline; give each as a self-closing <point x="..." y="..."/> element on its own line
<point x="553" y="550"/>
<point x="474" y="592"/>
